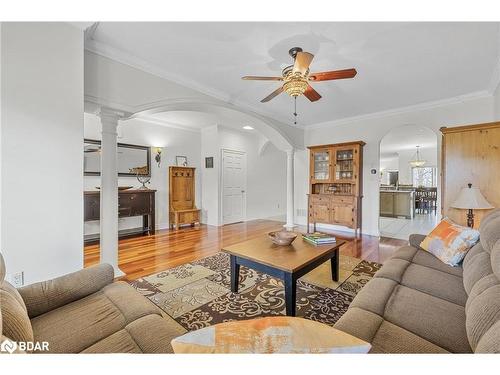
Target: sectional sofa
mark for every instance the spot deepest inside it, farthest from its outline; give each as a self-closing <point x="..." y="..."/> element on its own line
<point x="417" y="304"/>
<point x="83" y="312"/>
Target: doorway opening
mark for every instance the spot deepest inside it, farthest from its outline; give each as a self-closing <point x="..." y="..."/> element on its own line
<point x="409" y="199"/>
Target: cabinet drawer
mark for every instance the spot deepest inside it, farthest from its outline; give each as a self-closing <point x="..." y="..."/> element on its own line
<point x="342" y="199"/>
<point x="322" y="199"/>
<point x="134" y="204"/>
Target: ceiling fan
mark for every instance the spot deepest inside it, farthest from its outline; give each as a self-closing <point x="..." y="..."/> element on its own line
<point x="296" y="77"/>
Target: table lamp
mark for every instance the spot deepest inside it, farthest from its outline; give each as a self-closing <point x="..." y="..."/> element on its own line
<point x="470" y="198"/>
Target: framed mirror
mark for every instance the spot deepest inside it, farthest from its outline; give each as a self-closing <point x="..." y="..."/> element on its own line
<point x="132" y="159"/>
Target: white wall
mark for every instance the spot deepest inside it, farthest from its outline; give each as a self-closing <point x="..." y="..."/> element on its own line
<point x="174" y="142"/>
<point x="210" y="176"/>
<point x="42" y="140"/>
<point x="372" y="129"/>
<point x="266" y="173"/>
<point x="430" y="155"/>
<point x="496" y="103"/>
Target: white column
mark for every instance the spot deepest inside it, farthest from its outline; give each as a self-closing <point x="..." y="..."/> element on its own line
<point x="289" y="189"/>
<point x="109" y="190"/>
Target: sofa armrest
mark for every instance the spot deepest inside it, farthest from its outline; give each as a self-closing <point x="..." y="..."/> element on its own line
<point x="48" y="295"/>
<point x="416" y="239"/>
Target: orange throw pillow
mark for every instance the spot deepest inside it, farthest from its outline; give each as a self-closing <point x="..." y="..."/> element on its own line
<point x="450" y="242"/>
<point x="278" y="334"/>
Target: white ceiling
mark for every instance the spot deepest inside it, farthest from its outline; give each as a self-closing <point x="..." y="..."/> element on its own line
<point x="198" y="120"/>
<point x="398" y="64"/>
<point x="407" y="138"/>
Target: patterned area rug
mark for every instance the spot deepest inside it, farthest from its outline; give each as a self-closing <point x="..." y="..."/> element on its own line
<point x="197" y="294"/>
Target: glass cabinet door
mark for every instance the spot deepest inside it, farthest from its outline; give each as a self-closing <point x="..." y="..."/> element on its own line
<point x="345" y="164"/>
<point x="321" y="165"/>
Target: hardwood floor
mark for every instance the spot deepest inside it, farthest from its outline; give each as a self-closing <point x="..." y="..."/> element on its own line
<point x="145" y="255"/>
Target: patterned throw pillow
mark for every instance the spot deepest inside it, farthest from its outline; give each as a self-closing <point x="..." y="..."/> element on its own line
<point x="449" y="242"/>
<point x="277" y="334"/>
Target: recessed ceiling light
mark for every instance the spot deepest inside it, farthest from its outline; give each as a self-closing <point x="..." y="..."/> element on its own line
<point x="247" y="127"/>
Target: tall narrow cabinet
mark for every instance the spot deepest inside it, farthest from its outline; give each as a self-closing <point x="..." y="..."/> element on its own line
<point x="470" y="154"/>
<point x="335" y="185"/>
<point x="182" y="197"/>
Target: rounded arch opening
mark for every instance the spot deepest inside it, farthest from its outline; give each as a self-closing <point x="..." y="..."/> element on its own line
<point x="409" y="183"/>
<point x="263" y="125"/>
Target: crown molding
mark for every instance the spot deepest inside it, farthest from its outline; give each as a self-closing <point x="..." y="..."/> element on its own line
<point x="401" y="110"/>
<point x="166" y="124"/>
<point x="126" y="58"/>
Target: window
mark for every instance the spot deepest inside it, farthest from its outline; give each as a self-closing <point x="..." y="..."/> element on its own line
<point x="424" y="176"/>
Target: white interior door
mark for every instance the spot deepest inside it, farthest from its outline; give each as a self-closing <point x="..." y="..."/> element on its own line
<point x="234" y="173"/>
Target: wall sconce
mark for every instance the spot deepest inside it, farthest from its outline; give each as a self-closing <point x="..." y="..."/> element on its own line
<point x="158" y="155"/>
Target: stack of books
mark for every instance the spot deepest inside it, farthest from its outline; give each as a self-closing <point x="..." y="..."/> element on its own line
<point x="317" y="238"/>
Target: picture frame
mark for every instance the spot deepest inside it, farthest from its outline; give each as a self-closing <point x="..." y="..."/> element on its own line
<point x="181" y="161"/>
<point x="209" y="162"/>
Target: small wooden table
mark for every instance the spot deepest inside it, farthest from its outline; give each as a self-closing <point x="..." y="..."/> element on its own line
<point x="287" y="263"/>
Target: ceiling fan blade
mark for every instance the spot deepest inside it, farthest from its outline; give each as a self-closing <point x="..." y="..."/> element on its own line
<point x="334" y="74"/>
<point x="276" y="92"/>
<point x="312" y="94"/>
<point x="258" y="78"/>
<point x="302" y="62"/>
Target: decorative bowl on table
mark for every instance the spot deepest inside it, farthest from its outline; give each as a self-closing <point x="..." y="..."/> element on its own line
<point x="282" y="238"/>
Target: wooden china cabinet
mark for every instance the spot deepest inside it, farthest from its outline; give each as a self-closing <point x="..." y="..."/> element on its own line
<point x="335" y="185"/>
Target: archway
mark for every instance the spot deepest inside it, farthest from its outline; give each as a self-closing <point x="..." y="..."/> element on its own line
<point x="409" y="181"/>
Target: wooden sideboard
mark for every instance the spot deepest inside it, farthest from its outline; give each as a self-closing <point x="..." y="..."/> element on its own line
<point x="470" y="154"/>
<point x="140" y="202"/>
<point x="335" y="185"/>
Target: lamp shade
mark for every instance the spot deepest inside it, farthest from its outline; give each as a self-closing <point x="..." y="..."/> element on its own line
<point x="471" y="198"/>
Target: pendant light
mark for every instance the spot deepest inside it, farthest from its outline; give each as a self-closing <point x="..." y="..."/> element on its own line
<point x="416" y="161"/>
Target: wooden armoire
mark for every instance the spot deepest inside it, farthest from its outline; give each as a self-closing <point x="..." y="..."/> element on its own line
<point x="470" y="154"/>
<point x="335" y="185"/>
<point x="182" y="197"/>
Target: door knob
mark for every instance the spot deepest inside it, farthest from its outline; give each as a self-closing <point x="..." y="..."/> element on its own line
<point x="243" y="191"/>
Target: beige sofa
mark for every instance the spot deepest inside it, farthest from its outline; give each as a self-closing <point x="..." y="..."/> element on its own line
<point x="83" y="312"/>
<point x="417" y="304"/>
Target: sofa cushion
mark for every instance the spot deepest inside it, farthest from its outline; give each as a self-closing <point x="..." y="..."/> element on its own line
<point x="436" y="283"/>
<point x="477" y="267"/>
<point x="476" y="249"/>
<point x="434" y="319"/>
<point x="428" y="260"/>
<point x="384" y="336"/>
<point x="16" y="324"/>
<point x="50" y="294"/>
<point x="360" y="323"/>
<point x="479" y="287"/>
<point x="495" y="259"/>
<point x="393" y="339"/>
<point x="422" y="257"/>
<point x="149" y="334"/>
<point x="490" y="341"/>
<point x="483" y="314"/>
<point x="489" y="229"/>
<point x="373" y="296"/>
<point x="80" y="324"/>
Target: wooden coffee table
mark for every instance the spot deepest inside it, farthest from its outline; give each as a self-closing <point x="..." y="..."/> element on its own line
<point x="287" y="263"/>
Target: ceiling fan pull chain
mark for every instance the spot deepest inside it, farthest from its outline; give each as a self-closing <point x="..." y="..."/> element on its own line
<point x="295" y="110"/>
